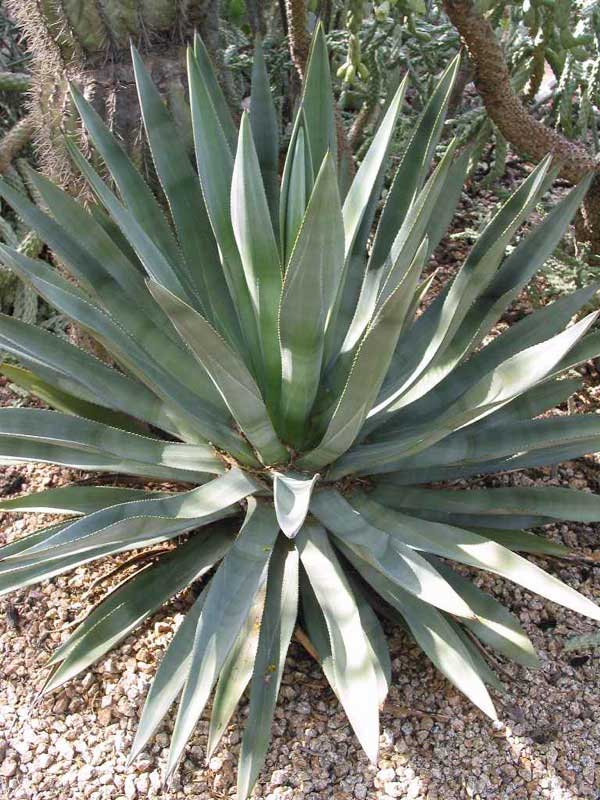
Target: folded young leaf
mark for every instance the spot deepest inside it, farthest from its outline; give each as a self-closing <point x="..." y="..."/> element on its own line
<point x="310" y="287"/>
<point x="259" y="254"/>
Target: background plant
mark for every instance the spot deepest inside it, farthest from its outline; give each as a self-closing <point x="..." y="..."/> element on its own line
<point x="16" y="130"/>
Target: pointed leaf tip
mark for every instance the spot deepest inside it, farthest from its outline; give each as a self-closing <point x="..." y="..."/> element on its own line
<point x="292" y="499"/>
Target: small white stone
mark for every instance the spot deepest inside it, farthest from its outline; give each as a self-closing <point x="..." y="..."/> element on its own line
<point x="20" y="746"/>
<point x="393" y="789"/>
<point x="215" y="764"/>
<point x="385" y="775"/>
<point x="142" y="783"/>
<point x="279" y="777"/>
<point x="43" y="761"/>
<point x="8" y="768"/>
<point x="29" y="735"/>
<point x="129" y="788"/>
<point x="85" y="773"/>
<point x="414" y="790"/>
<point x="65" y="749"/>
<point x="155" y="780"/>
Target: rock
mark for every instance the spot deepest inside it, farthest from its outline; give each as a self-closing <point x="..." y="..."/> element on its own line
<point x="129" y="787"/>
<point x="125" y="708"/>
<point x="9" y="767"/>
<point x="142" y="784"/>
<point x="61" y="705"/>
<point x="162" y="739"/>
<point x="21" y="746"/>
<point x="104" y="716"/>
<point x="87" y="680"/>
<point x="43" y="761"/>
<point x="279" y="777"/>
<point x="85" y="773"/>
<point x="414" y="789"/>
<point x="155" y="780"/>
<point x="65" y="749"/>
<point x="393" y="789"/>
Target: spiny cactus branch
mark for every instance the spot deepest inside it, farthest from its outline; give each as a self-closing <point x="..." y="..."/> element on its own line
<point x="298" y="38"/>
<point x="14" y="81"/>
<point x="14" y="141"/>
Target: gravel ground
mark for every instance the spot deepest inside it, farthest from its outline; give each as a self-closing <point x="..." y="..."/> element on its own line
<point x="74" y="744"/>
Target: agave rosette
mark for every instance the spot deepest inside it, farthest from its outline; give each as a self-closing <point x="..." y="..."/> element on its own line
<point x="268" y="352"/>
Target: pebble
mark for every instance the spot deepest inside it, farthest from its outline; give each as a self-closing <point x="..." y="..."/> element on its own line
<point x="130" y="788"/>
<point x="142" y="784"/>
<point x="9" y="767"/>
<point x="85" y="773"/>
<point x="279" y="777"/>
<point x="394" y="789"/>
<point x="65" y="749"/>
<point x="104" y="716"/>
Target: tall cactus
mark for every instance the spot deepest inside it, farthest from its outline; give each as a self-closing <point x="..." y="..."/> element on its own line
<point x="88" y="43"/>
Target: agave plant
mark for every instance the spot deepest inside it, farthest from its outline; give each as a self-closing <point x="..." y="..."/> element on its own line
<point x="269" y="353"/>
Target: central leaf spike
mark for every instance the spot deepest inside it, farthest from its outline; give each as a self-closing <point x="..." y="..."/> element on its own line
<point x="292" y="498"/>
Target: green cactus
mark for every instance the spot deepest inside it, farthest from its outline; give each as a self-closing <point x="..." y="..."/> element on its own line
<point x="16" y="297"/>
<point x="14" y="141"/>
<point x="354" y="66"/>
<point x="14" y="81"/>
